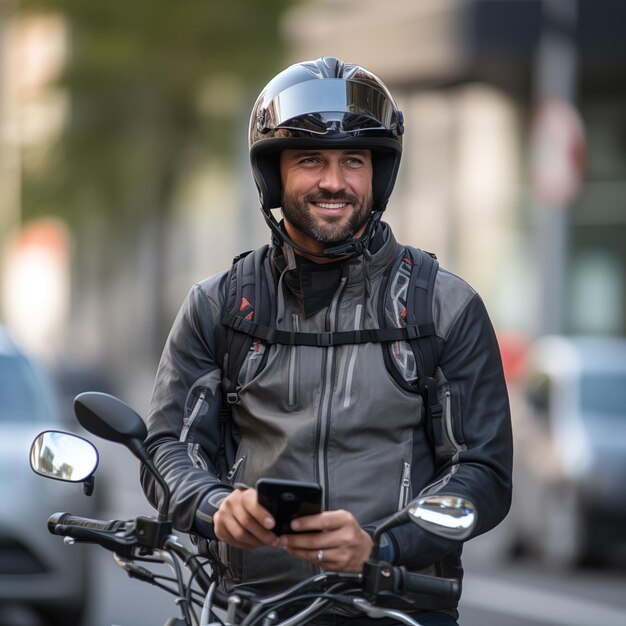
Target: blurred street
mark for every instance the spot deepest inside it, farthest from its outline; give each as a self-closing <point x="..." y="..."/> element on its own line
<point x="527" y="593"/>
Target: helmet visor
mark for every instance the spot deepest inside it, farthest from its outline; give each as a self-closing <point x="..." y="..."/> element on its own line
<point x="331" y="106"/>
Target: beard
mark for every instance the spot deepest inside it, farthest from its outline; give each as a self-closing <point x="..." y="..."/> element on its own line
<point x="330" y="230"/>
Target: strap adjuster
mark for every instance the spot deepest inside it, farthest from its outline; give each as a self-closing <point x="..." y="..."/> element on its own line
<point x="413" y="332"/>
<point x="324" y="339"/>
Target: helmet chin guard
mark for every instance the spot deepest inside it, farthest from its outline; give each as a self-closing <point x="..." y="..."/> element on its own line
<point x="325" y="104"/>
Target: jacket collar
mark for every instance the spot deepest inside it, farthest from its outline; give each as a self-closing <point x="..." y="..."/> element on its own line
<point x="315" y="283"/>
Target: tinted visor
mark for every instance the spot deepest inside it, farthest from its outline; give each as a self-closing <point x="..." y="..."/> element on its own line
<point x="333" y="106"/>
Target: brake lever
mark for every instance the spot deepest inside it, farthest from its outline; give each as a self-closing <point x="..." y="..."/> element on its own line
<point x="374" y="611"/>
<point x="123" y="545"/>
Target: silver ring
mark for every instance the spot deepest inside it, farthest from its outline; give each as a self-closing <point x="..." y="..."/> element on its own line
<point x="320" y="556"/>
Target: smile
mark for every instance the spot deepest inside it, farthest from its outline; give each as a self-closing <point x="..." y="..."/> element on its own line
<point x="331" y="205"/>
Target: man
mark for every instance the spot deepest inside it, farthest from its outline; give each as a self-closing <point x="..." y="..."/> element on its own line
<point x="325" y="146"/>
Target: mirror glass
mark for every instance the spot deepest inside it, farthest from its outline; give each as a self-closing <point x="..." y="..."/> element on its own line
<point x="446" y="516"/>
<point x="63" y="456"/>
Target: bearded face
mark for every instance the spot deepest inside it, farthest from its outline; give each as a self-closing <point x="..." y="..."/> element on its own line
<point x="327" y="195"/>
<point x="327" y="229"/>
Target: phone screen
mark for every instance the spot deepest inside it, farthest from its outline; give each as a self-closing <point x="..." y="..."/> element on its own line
<point x="288" y="499"/>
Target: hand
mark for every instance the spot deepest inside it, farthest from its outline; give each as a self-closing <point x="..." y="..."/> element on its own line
<point x="342" y="544"/>
<point x="242" y="522"/>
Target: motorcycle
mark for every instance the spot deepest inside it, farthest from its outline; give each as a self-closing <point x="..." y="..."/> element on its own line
<point x="140" y="544"/>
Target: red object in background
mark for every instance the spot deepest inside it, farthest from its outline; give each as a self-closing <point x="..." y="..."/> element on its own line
<point x="47" y="233"/>
<point x="514" y="352"/>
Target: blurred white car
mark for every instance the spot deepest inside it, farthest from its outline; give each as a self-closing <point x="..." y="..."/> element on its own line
<point x="570" y="457"/>
<point x="37" y="570"/>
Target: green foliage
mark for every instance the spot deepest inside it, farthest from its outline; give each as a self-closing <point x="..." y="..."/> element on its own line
<point x="153" y="85"/>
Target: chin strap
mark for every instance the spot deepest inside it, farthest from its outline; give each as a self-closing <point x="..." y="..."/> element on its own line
<point x="346" y="249"/>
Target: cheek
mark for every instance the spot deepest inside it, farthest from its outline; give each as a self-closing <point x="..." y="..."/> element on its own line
<point x="362" y="184"/>
<point x="298" y="184"/>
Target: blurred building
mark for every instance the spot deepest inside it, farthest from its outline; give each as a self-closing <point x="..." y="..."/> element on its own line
<point x="496" y="190"/>
<point x="522" y="198"/>
<point x="34" y="269"/>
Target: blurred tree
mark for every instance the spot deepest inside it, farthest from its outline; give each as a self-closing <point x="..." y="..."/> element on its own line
<point x="153" y="88"/>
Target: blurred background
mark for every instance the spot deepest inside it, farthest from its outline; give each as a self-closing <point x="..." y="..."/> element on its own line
<point x="124" y="179"/>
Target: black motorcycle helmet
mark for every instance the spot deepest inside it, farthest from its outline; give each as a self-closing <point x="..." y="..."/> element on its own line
<point x="325" y="104"/>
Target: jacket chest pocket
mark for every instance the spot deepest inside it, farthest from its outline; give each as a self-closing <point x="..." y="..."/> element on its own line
<point x="254" y="362"/>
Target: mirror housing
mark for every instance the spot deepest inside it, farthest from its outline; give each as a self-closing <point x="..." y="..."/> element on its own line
<point x="112" y="419"/>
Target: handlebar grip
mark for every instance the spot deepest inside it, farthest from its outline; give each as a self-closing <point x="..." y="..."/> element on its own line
<point x="447" y="588"/>
<point x="65" y="520"/>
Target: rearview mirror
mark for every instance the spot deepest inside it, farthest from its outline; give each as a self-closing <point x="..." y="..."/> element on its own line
<point x="446" y="516"/>
<point x="63" y="456"/>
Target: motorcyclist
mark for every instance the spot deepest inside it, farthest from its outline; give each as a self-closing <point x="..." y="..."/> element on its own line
<point x="325" y="145"/>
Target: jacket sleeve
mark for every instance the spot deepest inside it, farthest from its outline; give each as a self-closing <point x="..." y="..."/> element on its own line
<point x="479" y="467"/>
<point x="183" y="419"/>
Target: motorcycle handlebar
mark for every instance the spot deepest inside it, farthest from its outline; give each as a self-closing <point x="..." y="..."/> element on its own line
<point x="446" y="588"/>
<point x="381" y="579"/>
<point x="57" y="521"/>
<point x="104" y="533"/>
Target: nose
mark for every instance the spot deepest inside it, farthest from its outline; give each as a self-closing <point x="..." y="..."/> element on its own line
<point x="332" y="178"/>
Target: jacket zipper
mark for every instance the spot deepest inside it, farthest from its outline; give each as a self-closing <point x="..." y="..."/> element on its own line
<point x="448" y="421"/>
<point x="352" y="360"/>
<point x="254" y="363"/>
<point x="188" y="421"/>
<point x="293" y="363"/>
<point x="193" y="451"/>
<point x="405" y="486"/>
<point x="235" y="470"/>
<point x="326" y="397"/>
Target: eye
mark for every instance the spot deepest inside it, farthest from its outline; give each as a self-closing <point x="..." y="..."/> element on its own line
<point x="354" y="161"/>
<point x="308" y="160"/>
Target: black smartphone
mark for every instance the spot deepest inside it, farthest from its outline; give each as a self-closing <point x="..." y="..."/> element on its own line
<point x="288" y="499"/>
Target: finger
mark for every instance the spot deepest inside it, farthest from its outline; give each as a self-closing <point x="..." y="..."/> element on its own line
<point x="245" y="527"/>
<point x="241" y="521"/>
<point x="251" y="503"/>
<point x="307" y="541"/>
<point x="228" y="528"/>
<point x="320" y="557"/>
<point x="237" y="535"/>
<point x="342" y="544"/>
<point x="327" y="521"/>
<point x="339" y="559"/>
<point x="325" y="530"/>
<point x="246" y="542"/>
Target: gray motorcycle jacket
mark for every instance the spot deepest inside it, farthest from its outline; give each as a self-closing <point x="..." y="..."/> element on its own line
<point x="333" y="415"/>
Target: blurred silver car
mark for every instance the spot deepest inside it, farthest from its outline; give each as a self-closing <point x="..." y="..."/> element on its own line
<point x="570" y="461"/>
<point x="37" y="570"/>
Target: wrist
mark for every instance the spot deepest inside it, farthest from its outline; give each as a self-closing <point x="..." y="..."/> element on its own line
<point x="386" y="550"/>
<point x="208" y="507"/>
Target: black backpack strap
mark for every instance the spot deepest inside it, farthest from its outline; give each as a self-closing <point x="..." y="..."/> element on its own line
<point x="247" y="299"/>
<point x="247" y="296"/>
<point x="425" y="348"/>
<point x="337" y="338"/>
<point x="248" y="312"/>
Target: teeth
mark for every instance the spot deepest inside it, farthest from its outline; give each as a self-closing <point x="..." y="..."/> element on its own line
<point x="329" y="205"/>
